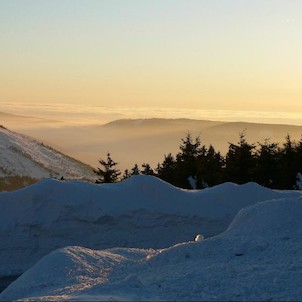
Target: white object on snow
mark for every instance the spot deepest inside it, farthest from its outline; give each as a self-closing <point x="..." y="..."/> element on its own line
<point x="198" y="237"/>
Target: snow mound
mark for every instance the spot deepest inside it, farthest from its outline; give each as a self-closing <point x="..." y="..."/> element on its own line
<point x="21" y="155"/>
<point x="257" y="258"/>
<point x="275" y="217"/>
<point x="141" y="212"/>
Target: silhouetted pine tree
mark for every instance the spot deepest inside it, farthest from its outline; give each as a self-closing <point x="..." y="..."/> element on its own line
<point x="147" y="170"/>
<point x="266" y="172"/>
<point x="298" y="151"/>
<point x="210" y="167"/>
<point x="166" y="170"/>
<point x="240" y="161"/>
<point x="186" y="161"/>
<point x="108" y="173"/>
<point x="287" y="164"/>
<point x="135" y="170"/>
<point x="126" y="174"/>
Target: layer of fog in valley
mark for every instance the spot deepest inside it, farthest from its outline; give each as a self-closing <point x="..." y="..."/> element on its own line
<point x="138" y="135"/>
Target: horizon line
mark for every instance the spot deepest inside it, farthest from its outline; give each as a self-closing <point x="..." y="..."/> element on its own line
<point x="92" y="113"/>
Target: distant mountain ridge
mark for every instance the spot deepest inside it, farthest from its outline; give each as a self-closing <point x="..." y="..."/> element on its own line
<point x="137" y="141"/>
<point x="150" y="139"/>
<point x="23" y="156"/>
<point x="192" y="122"/>
<point x="161" y="122"/>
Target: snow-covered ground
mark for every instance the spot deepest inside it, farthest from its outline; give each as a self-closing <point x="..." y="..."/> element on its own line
<point x="21" y="155"/>
<point x="254" y="256"/>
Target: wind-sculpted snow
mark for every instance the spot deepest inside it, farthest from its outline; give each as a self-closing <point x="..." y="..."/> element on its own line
<point x="140" y="212"/>
<point x="258" y="258"/>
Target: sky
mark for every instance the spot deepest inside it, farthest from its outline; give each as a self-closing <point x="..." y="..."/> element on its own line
<point x="191" y="54"/>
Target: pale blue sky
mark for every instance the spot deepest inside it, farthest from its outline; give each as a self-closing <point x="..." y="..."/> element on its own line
<point x="214" y="54"/>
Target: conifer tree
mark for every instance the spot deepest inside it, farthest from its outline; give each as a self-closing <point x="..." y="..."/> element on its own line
<point x="189" y="150"/>
<point x="166" y="170"/>
<point x="298" y="151"/>
<point x="147" y="170"/>
<point x="135" y="170"/>
<point x="287" y="164"/>
<point x="186" y="161"/>
<point x="126" y="174"/>
<point x="210" y="167"/>
<point x="240" y="161"/>
<point x="107" y="173"/>
<point x="266" y="172"/>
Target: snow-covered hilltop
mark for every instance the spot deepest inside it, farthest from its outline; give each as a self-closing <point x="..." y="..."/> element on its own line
<point x="23" y="156"/>
<point x="256" y="257"/>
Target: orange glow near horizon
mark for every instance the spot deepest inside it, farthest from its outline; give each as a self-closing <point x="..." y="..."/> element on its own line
<point x="206" y="55"/>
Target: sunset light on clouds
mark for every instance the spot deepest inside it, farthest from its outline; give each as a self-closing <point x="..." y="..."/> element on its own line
<point x="192" y="54"/>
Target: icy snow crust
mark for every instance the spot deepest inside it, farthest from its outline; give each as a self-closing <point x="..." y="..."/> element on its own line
<point x="256" y="257"/>
<point x="24" y="156"/>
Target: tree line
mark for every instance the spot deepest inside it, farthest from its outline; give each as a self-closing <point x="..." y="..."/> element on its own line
<point x="196" y="166"/>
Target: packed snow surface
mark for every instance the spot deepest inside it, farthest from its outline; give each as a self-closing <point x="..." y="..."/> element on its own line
<point x="251" y="250"/>
<point x="21" y="155"/>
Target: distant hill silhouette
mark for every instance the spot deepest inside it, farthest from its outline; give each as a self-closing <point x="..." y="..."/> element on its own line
<point x="133" y="141"/>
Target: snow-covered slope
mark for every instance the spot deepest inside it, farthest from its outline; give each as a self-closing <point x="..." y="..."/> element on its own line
<point x="24" y="156"/>
<point x="258" y="258"/>
<point x="140" y="212"/>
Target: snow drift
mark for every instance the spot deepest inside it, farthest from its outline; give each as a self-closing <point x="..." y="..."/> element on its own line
<point x="257" y="258"/>
<point x="140" y="212"/>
